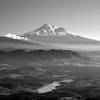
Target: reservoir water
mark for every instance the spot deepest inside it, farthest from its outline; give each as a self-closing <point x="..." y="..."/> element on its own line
<point x="52" y="86"/>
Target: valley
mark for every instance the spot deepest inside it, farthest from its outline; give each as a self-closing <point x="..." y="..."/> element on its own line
<point x="22" y="71"/>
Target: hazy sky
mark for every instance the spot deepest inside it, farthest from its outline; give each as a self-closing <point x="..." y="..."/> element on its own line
<point x="77" y="16"/>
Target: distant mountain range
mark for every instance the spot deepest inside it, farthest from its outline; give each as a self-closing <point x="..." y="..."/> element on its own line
<point x="21" y="56"/>
<point x="51" y="37"/>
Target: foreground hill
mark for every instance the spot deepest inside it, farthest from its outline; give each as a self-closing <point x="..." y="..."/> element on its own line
<point x="8" y="44"/>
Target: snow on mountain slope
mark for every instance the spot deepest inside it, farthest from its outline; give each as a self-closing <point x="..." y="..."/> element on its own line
<point x="48" y="30"/>
<point x="13" y="36"/>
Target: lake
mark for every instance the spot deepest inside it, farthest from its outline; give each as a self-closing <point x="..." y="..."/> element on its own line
<point x="52" y="86"/>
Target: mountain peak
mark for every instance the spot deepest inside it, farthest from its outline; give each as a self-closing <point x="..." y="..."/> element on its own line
<point x="52" y="27"/>
<point x="48" y="30"/>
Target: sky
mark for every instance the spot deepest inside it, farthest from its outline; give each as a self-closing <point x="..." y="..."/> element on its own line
<point x="81" y="17"/>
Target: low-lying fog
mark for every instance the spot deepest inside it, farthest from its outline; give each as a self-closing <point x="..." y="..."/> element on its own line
<point x="89" y="47"/>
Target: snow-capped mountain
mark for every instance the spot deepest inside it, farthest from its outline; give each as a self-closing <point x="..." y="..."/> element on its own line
<point x="53" y="34"/>
<point x="55" y="37"/>
<point x="48" y="30"/>
<point x="59" y="37"/>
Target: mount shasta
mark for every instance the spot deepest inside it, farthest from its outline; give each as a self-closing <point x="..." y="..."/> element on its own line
<point x="51" y="37"/>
